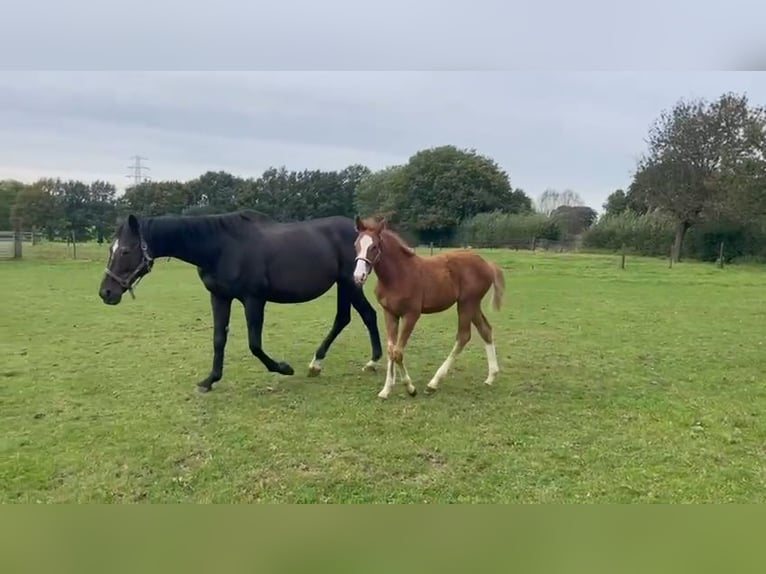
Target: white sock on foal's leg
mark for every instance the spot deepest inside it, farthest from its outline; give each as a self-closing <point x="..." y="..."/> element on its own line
<point x="492" y="365"/>
<point x="407" y="380"/>
<point x="390" y="380"/>
<point x="444" y="369"/>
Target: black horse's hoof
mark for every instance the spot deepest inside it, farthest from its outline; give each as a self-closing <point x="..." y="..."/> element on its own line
<point x="204" y="388"/>
<point x="285" y="369"/>
<point x="314" y="372"/>
<point x="370" y="367"/>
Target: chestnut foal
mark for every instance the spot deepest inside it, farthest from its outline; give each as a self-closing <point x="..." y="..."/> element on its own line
<point x="410" y="285"/>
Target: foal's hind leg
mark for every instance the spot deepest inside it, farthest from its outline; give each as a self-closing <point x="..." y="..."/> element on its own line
<point x="485" y="331"/>
<point x="342" y="319"/>
<point x="464" y="314"/>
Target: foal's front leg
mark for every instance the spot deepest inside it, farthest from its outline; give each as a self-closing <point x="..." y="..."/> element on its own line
<point x="392" y="329"/>
<point x="409" y="324"/>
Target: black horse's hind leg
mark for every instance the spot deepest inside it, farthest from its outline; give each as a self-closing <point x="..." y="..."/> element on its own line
<point x="254" y="309"/>
<point x="221" y="314"/>
<point x="370" y="318"/>
<point x="342" y="319"/>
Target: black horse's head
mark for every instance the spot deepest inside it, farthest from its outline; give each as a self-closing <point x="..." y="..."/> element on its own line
<point x="129" y="260"/>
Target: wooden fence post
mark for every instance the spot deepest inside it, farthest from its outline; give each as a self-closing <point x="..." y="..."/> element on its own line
<point x="17" y="242"/>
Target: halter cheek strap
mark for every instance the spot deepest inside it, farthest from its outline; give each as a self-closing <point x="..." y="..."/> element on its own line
<point x="135" y="277"/>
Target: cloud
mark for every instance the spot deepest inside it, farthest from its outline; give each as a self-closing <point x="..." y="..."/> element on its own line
<point x="582" y="131"/>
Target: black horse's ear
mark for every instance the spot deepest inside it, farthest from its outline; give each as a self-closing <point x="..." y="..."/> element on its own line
<point x="133" y="223"/>
<point x="359" y="224"/>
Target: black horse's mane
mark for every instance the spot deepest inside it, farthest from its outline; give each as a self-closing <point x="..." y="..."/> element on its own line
<point x="201" y="227"/>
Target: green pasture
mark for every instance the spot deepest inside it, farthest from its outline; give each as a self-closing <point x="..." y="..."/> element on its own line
<point x="636" y="385"/>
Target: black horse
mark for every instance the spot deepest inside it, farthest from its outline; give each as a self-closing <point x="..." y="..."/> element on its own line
<point x="249" y="257"/>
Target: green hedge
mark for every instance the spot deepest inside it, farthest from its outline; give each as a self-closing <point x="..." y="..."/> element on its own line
<point x="650" y="234"/>
<point x="653" y="234"/>
<point x="497" y="229"/>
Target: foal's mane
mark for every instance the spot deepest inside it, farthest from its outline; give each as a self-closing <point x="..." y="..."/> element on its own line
<point x="406" y="249"/>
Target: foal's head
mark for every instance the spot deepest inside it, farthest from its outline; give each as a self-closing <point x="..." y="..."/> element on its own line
<point x="128" y="261"/>
<point x="371" y="238"/>
<point x="368" y="246"/>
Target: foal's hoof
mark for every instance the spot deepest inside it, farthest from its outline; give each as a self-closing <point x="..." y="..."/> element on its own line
<point x="314" y="371"/>
<point x="285" y="369"/>
<point x="413" y="392"/>
<point x="430" y="390"/>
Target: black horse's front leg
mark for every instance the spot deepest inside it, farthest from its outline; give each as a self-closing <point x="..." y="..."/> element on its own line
<point x="221" y="314"/>
<point x="254" y="309"/>
<point x="342" y="319"/>
<point x="370" y="318"/>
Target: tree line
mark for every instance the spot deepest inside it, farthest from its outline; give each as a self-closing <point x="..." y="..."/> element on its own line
<point x="700" y="182"/>
<point x="427" y="198"/>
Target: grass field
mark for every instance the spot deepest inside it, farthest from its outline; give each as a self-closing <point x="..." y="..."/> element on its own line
<point x="636" y="385"/>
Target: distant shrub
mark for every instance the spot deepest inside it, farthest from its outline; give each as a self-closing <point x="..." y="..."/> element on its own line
<point x="650" y="234"/>
<point x="740" y="242"/>
<point x="497" y="229"/>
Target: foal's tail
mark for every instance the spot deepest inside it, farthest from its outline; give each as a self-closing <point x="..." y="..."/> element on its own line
<point x="498" y="282"/>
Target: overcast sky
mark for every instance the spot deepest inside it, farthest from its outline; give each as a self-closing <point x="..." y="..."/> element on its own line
<point x="582" y="131"/>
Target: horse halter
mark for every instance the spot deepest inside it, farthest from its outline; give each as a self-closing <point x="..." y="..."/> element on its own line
<point x="135" y="277"/>
<point x="374" y="261"/>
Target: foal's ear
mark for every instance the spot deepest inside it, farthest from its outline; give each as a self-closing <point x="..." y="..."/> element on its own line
<point x="133" y="223"/>
<point x="359" y="224"/>
<point x="382" y="224"/>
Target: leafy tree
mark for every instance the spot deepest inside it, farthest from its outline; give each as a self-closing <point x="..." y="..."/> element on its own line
<point x="73" y="199"/>
<point x="348" y="180"/>
<point x="35" y="207"/>
<point x="9" y="190"/>
<point x="156" y="198"/>
<point x="446" y="185"/>
<point x="550" y="199"/>
<point x="215" y="189"/>
<point x="573" y="220"/>
<point x="518" y="202"/>
<point x="616" y="203"/>
<point x="273" y="193"/>
<point x="102" y="208"/>
<point x="382" y="193"/>
<point x="697" y="150"/>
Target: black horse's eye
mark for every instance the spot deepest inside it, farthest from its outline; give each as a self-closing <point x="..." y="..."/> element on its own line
<point x="124" y="251"/>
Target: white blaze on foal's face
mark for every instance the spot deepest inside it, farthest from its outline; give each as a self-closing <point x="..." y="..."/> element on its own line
<point x="363" y="258"/>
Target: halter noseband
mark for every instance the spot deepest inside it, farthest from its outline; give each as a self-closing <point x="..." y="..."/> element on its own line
<point x="134" y="278"/>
